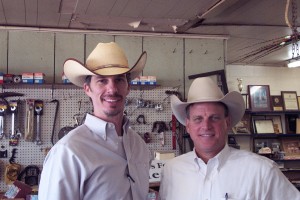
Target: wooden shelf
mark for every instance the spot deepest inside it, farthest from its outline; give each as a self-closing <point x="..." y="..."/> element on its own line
<point x="143" y="87"/>
<point x="272" y="112"/>
<point x="64" y="86"/>
<point x="272" y="135"/>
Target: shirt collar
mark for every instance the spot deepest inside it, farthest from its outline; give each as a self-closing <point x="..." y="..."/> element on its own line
<point x="220" y="158"/>
<point x="100" y="127"/>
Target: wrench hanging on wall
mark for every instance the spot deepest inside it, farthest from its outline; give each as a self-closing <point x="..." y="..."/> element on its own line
<point x="29" y="125"/>
<point x="3" y="108"/>
<point x="13" y="137"/>
<point x="38" y="108"/>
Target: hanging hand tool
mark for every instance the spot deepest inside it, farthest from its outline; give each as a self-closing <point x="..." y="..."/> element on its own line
<point x="29" y="125"/>
<point x="174" y="120"/>
<point x="3" y="108"/>
<point x="160" y="127"/>
<point x="10" y="94"/>
<point x="12" y="170"/>
<point x="55" y="116"/>
<point x="3" y="152"/>
<point x="38" y="108"/>
<point x="13" y="138"/>
<point x="65" y="130"/>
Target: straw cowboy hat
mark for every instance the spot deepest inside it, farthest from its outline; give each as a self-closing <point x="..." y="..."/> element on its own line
<point x="106" y="59"/>
<point x="206" y="90"/>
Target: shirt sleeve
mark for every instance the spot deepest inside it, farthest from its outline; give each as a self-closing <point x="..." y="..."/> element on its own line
<point x="60" y="175"/>
<point x="163" y="184"/>
<point x="277" y="186"/>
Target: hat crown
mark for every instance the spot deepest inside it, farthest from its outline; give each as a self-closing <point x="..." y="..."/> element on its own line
<point x="106" y="54"/>
<point x="204" y="89"/>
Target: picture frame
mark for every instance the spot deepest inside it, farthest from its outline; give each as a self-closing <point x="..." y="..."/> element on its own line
<point x="256" y="117"/>
<point x="259" y="97"/>
<point x="243" y="126"/>
<point x="277" y="102"/>
<point x="245" y="97"/>
<point x="291" y="147"/>
<point x="290" y="100"/>
<point x="277" y="123"/>
<point x="264" y="126"/>
<point x="291" y="123"/>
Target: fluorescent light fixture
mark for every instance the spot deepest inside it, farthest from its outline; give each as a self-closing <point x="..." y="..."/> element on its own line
<point x="292" y="64"/>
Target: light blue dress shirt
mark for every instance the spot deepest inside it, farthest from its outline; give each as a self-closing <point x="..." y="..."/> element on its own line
<point x="92" y="162"/>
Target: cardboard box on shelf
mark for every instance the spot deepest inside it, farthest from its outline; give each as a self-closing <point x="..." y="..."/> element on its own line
<point x="38" y="77"/>
<point x="152" y="80"/>
<point x="135" y="81"/>
<point x="65" y="79"/>
<point x="144" y="80"/>
<point x="27" y="77"/>
<point x="163" y="155"/>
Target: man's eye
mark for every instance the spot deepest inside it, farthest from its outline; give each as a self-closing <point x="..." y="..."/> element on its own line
<point x="197" y="119"/>
<point x="216" y="118"/>
<point x="120" y="79"/>
<point x="102" y="81"/>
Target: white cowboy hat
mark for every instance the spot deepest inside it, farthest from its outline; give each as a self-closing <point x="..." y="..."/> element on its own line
<point x="106" y="59"/>
<point x="206" y="90"/>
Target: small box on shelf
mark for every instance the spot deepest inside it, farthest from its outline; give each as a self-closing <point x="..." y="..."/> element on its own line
<point x="27" y="77"/>
<point x="65" y="80"/>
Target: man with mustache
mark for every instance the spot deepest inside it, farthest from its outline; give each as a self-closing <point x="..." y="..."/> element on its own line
<point x="103" y="158"/>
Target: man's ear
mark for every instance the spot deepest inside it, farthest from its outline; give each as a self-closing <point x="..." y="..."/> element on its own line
<point x="228" y="123"/>
<point x="128" y="88"/>
<point x="86" y="88"/>
<point x="187" y="125"/>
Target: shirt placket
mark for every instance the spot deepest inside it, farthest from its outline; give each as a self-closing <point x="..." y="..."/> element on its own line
<point x="131" y="175"/>
<point x="208" y="181"/>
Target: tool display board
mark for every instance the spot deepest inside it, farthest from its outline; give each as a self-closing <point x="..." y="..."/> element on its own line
<point x="152" y="103"/>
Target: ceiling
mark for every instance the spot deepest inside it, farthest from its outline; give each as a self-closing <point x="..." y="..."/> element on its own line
<point x="250" y="25"/>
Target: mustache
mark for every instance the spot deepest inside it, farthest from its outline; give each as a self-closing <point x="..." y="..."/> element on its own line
<point x="113" y="96"/>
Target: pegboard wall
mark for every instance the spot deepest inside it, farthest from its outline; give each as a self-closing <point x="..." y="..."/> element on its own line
<point x="152" y="103"/>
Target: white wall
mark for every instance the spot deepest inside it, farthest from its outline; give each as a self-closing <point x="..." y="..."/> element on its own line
<point x="278" y="78"/>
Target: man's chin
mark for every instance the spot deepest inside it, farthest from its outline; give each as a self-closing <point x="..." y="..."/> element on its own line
<point x="113" y="113"/>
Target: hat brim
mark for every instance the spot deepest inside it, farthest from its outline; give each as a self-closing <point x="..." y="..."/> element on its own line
<point x="233" y="100"/>
<point x="76" y="71"/>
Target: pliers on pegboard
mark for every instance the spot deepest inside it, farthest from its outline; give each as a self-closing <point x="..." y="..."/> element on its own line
<point x="160" y="127"/>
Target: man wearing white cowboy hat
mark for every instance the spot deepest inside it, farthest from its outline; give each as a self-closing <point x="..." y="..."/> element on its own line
<point x="103" y="158"/>
<point x="213" y="170"/>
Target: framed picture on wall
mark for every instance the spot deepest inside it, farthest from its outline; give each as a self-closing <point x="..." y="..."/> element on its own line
<point x="277" y="102"/>
<point x="259" y="97"/>
<point x="245" y="97"/>
<point x="243" y="126"/>
<point x="291" y="148"/>
<point x="264" y="126"/>
<point x="290" y="100"/>
<point x="277" y="123"/>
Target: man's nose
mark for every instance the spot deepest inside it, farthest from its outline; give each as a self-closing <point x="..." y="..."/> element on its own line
<point x="112" y="87"/>
<point x="206" y="124"/>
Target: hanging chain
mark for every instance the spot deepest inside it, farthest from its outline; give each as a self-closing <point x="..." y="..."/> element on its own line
<point x="295" y="34"/>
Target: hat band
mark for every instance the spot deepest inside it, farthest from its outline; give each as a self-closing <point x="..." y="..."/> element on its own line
<point x="108" y="66"/>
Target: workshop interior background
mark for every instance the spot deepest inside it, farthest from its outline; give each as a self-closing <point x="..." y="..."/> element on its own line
<point x="171" y="60"/>
<point x="45" y="52"/>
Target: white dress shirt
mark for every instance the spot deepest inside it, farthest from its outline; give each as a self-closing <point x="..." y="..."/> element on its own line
<point x="234" y="173"/>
